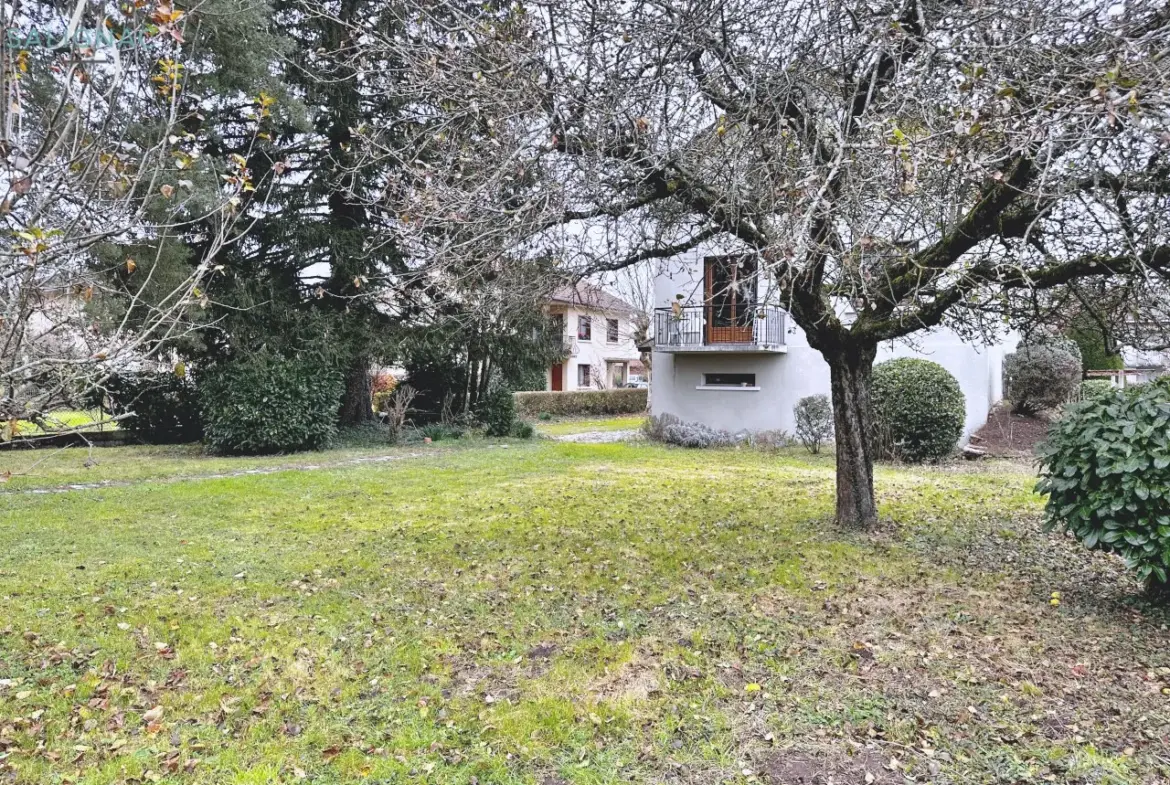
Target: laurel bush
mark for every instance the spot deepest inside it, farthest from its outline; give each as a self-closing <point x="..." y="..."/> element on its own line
<point x="1105" y="468"/>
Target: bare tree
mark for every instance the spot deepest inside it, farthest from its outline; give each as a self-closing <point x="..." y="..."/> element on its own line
<point x="894" y="164"/>
<point x="95" y="160"/>
<point x="636" y="286"/>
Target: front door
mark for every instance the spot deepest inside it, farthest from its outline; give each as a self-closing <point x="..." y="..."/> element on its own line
<point x="730" y="298"/>
<point x="558" y="377"/>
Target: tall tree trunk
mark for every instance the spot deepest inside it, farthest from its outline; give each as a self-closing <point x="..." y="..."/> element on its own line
<point x="852" y="376"/>
<point x="357" y="406"/>
<point x="473" y="384"/>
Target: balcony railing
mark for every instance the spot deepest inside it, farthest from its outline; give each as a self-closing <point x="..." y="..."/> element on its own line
<point x="723" y="327"/>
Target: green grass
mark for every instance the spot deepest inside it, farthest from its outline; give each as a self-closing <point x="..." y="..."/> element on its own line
<point x="67" y="420"/>
<point x="26" y="469"/>
<point x="588" y="424"/>
<point x="561" y="613"/>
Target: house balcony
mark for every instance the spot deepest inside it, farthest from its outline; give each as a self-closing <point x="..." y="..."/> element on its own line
<point x="732" y="328"/>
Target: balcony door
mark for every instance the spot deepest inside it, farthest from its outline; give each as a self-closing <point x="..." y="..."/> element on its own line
<point x="730" y="298"/>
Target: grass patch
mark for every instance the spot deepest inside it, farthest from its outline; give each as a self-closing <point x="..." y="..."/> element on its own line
<point x="574" y="425"/>
<point x="55" y="422"/>
<point x="51" y="468"/>
<point x="563" y="613"/>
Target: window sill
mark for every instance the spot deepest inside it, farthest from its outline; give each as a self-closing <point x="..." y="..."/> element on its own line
<point x="735" y="388"/>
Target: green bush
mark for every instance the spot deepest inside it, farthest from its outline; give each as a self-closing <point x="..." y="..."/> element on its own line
<point x="918" y="410"/>
<point x="624" y="400"/>
<point x="1043" y="373"/>
<point x="1093" y="388"/>
<point x="267" y="403"/>
<point x="436" y="431"/>
<point x="1092" y="342"/>
<point x="814" y="422"/>
<point x="497" y="411"/>
<point x="523" y="430"/>
<point x="1106" y="470"/>
<point x="164" y="406"/>
<point x="383" y="401"/>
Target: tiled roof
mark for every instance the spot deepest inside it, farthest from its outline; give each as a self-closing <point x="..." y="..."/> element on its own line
<point x="590" y="296"/>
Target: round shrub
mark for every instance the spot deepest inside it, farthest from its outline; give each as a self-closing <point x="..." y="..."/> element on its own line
<point x="1042" y="374"/>
<point x="267" y="403"/>
<point x="1106" y="470"/>
<point x="918" y="410"/>
<point x="814" y="422"/>
<point x="159" y="407"/>
<point x="497" y="411"/>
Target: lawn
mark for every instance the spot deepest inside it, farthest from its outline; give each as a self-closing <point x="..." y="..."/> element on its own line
<point x="575" y="425"/>
<point x="31" y="469"/>
<point x="65" y="420"/>
<point x="551" y="613"/>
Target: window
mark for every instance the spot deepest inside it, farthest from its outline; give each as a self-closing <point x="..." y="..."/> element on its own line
<point x="583" y="374"/>
<point x="742" y="381"/>
<point x="611" y="330"/>
<point x="584" y="329"/>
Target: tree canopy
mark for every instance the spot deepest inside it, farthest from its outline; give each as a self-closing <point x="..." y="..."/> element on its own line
<point x="896" y="165"/>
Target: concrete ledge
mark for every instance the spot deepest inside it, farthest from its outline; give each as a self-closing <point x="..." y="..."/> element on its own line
<point x="726" y="388"/>
<point x="722" y="348"/>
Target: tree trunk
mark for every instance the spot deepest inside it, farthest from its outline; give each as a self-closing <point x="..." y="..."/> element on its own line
<point x="357" y="406"/>
<point x="852" y="375"/>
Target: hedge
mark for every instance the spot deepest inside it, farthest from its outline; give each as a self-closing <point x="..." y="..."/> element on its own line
<point x="163" y="406"/>
<point x="620" y="401"/>
<point x="267" y="403"/>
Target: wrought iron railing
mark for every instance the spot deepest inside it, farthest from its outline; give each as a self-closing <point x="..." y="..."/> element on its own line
<point x="718" y="324"/>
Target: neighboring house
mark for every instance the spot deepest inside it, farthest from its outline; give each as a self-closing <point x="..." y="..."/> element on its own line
<point x="598" y="329"/>
<point x="727" y="356"/>
<point x="1141" y="366"/>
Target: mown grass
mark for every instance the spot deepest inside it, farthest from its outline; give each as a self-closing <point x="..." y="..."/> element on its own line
<point x="28" y="469"/>
<point x="553" y="613"/>
<point x="589" y="424"/>
<point x="64" y="420"/>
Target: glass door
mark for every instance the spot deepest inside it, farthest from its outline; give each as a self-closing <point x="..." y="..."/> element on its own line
<point x="730" y="298"/>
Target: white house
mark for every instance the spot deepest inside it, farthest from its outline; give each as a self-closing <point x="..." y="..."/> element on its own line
<point x="599" y="339"/>
<point x="725" y="357"/>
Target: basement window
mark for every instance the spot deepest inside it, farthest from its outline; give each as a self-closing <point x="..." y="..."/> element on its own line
<point x="729" y="381"/>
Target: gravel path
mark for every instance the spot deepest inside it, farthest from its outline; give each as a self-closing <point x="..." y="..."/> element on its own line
<point x="598" y="437"/>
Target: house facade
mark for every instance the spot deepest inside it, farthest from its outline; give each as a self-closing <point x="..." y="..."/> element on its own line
<point x="600" y="347"/>
<point x="725" y="356"/>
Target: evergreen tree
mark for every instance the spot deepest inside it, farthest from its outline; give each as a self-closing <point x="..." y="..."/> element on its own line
<point x="316" y="266"/>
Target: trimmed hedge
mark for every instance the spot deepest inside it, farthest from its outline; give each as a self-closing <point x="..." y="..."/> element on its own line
<point x="267" y="403"/>
<point x="620" y="401"/>
<point x="918" y="410"/>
